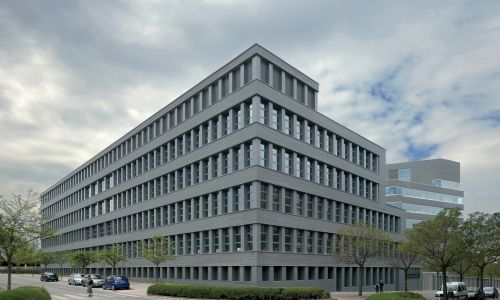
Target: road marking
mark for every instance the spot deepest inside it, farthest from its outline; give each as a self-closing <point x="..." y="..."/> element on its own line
<point x="74" y="297"/>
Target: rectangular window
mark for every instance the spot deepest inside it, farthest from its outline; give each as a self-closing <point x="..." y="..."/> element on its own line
<point x="276" y="238"/>
<point x="264" y="195"/>
<point x="288" y="201"/>
<point x="249" y="237"/>
<point x="276" y="198"/>
<point x="300" y="204"/>
<point x="264" y="237"/>
<point x="264" y="154"/>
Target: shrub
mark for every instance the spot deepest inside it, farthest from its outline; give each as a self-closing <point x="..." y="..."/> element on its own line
<point x="396" y="296"/>
<point x="236" y="293"/>
<point x="21" y="271"/>
<point x="25" y="293"/>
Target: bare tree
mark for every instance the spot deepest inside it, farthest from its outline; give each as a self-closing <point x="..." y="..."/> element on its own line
<point x="360" y="245"/>
<point x="404" y="259"/>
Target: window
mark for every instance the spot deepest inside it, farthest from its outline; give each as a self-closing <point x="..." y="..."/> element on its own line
<point x="300" y="204"/>
<point x="264" y="195"/>
<point x="276" y="238"/>
<point x="300" y="241"/>
<point x="275" y="159"/>
<point x="249" y="237"/>
<point x="288" y="201"/>
<point x="275" y="119"/>
<point x="264" y="154"/>
<point x="287" y="167"/>
<point x="264" y="237"/>
<point x="264" y="112"/>
<point x="276" y="198"/>
<point x="404" y="174"/>
<point x="288" y="240"/>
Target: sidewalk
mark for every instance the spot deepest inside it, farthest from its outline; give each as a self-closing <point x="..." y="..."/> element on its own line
<point x="354" y="295"/>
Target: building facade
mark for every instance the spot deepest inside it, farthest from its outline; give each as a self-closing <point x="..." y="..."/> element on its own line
<point x="424" y="188"/>
<point x="246" y="179"/>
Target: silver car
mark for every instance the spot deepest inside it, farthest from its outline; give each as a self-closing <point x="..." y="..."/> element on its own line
<point x="96" y="278"/>
<point x="75" y="279"/>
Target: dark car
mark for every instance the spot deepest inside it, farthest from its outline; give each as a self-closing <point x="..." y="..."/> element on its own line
<point x="474" y="293"/>
<point x="115" y="282"/>
<point x="96" y="278"/>
<point x="49" y="276"/>
<point x="490" y="292"/>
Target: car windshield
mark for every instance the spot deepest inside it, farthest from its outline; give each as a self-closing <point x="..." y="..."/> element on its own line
<point x="472" y="289"/>
<point x="49" y="273"/>
<point x="120" y="278"/>
<point x="96" y="276"/>
<point x="450" y="287"/>
<point x="488" y="289"/>
<point x="77" y="276"/>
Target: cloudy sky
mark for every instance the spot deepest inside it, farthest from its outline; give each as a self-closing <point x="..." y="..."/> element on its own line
<point x="421" y="79"/>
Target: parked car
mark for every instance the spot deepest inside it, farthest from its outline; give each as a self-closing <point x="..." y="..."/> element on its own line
<point x="49" y="276"/>
<point x="474" y="293"/>
<point x="75" y="279"/>
<point x="96" y="278"/>
<point x="455" y="290"/>
<point x="115" y="282"/>
<point x="490" y="292"/>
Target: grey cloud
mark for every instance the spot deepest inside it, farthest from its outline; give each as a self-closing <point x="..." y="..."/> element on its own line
<point x="75" y="75"/>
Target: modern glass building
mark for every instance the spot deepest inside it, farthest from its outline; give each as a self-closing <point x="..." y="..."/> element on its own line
<point x="249" y="182"/>
<point x="424" y="188"/>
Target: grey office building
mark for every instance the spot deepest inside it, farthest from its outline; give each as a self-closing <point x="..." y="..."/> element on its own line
<point x="249" y="182"/>
<point x="424" y="188"/>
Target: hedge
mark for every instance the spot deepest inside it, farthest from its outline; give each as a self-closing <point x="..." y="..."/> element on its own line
<point x="396" y="296"/>
<point x="25" y="293"/>
<point x="21" y="271"/>
<point x="237" y="293"/>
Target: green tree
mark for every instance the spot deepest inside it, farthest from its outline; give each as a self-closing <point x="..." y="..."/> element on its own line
<point x="112" y="256"/>
<point x="492" y="271"/>
<point x="361" y="244"/>
<point x="82" y="259"/>
<point x="45" y="258"/>
<point x="157" y="250"/>
<point x="462" y="268"/>
<point x="404" y="259"/>
<point x="480" y="233"/>
<point x="61" y="258"/>
<point x="20" y="224"/>
<point x="438" y="241"/>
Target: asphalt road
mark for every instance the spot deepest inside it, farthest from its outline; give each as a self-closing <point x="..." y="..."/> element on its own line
<point x="62" y="291"/>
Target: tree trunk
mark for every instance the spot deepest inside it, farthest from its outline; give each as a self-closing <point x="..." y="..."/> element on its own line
<point x="406" y="280"/>
<point x="445" y="288"/>
<point x="9" y="274"/>
<point x="157" y="273"/>
<point x="481" y="276"/>
<point x="360" y="281"/>
<point x="461" y="276"/>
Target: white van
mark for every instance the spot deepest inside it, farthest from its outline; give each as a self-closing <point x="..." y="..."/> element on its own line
<point x="455" y="290"/>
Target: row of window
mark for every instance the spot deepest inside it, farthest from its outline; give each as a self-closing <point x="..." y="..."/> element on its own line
<point x="253" y="237"/>
<point x="220" y="88"/>
<point x="343" y="276"/>
<point x="231" y="160"/>
<point x="230" y="200"/>
<point x="420" y="194"/>
<point x="416" y="208"/>
<point x="229" y="121"/>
